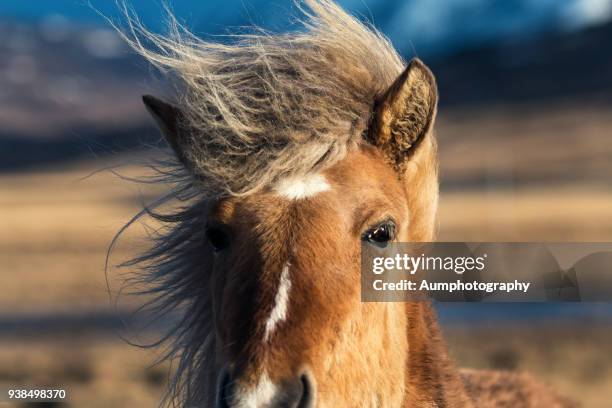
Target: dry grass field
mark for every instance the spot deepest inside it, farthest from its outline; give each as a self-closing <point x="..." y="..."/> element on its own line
<point x="56" y="225"/>
<point x="574" y="360"/>
<point x="96" y="373"/>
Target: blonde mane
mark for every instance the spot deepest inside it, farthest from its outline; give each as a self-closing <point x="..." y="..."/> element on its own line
<point x="266" y="106"/>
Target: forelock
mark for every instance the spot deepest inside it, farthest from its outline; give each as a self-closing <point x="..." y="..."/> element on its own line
<point x="267" y="106"/>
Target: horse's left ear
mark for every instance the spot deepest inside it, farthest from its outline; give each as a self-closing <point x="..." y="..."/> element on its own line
<point x="166" y="116"/>
<point x="171" y="121"/>
<point x="404" y="115"/>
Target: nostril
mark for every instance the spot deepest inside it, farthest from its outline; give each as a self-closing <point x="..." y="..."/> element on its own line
<point x="224" y="390"/>
<point x="308" y="392"/>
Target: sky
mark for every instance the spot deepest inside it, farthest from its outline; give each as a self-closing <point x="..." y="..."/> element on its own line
<point x="420" y="26"/>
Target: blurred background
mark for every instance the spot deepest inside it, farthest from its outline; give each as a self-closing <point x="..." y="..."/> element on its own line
<point x="525" y="135"/>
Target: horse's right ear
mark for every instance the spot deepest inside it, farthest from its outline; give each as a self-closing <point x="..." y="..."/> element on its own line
<point x="171" y="122"/>
<point x="404" y="115"/>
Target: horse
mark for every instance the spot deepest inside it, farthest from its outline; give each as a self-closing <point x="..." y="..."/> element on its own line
<point x="292" y="151"/>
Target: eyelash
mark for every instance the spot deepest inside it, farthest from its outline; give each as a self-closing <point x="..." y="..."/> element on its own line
<point x="387" y="228"/>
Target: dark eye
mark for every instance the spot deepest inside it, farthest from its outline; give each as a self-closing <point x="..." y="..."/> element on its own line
<point x="218" y="237"/>
<point x="380" y="234"/>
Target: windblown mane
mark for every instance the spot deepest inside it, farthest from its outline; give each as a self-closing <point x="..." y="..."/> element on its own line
<point x="259" y="109"/>
<point x="268" y="106"/>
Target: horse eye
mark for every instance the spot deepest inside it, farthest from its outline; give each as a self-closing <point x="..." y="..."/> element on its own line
<point x="381" y="234"/>
<point x="218" y="238"/>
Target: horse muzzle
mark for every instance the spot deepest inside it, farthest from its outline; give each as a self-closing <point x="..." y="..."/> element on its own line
<point x="298" y="392"/>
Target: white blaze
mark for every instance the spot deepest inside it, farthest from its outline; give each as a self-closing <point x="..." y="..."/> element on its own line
<point x="259" y="396"/>
<point x="263" y="392"/>
<point x="296" y="188"/>
<point x="281" y="303"/>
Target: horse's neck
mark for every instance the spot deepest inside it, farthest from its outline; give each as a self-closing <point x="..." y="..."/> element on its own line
<point x="432" y="379"/>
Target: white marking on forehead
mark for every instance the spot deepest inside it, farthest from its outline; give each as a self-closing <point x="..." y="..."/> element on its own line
<point x="259" y="396"/>
<point x="281" y="303"/>
<point x="296" y="188"/>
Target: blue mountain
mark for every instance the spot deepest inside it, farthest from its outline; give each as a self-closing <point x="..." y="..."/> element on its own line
<point x="424" y="27"/>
